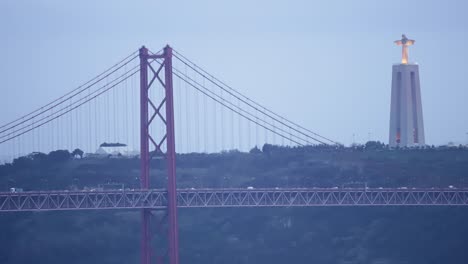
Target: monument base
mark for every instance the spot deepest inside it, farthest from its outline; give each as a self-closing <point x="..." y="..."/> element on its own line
<point x="406" y="117"/>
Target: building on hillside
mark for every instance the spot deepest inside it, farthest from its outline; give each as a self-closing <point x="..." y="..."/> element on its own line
<point x="114" y="149"/>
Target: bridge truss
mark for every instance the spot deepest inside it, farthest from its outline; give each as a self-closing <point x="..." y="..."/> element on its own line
<point x="206" y="198"/>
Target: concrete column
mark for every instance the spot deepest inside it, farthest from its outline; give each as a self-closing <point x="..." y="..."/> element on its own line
<point x="406" y="118"/>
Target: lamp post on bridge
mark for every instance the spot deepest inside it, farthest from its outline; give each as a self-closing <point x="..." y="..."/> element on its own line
<point x="45" y="184"/>
<point x="226" y="181"/>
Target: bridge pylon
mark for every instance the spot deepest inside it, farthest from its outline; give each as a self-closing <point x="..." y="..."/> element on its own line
<point x="162" y="110"/>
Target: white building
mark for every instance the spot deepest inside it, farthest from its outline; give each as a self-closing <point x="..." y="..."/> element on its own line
<point x="114" y="150"/>
<point x="111" y="150"/>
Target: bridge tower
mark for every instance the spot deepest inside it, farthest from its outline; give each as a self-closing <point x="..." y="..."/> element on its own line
<point x="162" y="109"/>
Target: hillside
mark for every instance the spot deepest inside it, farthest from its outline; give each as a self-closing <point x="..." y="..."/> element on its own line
<point x="269" y="235"/>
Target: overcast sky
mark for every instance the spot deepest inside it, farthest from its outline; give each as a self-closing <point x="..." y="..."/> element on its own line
<point x="324" y="64"/>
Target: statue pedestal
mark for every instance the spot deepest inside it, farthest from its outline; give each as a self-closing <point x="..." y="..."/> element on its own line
<point x="406" y="117"/>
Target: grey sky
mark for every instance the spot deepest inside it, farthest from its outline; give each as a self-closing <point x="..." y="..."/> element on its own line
<point x="324" y="64"/>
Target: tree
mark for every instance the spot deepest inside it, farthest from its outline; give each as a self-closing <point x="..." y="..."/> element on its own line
<point x="255" y="150"/>
<point x="38" y="156"/>
<point x="59" y="155"/>
<point x="77" y="152"/>
<point x="267" y="148"/>
<point x="374" y="145"/>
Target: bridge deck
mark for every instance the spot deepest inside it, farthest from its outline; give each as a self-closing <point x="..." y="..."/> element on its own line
<point x="196" y="198"/>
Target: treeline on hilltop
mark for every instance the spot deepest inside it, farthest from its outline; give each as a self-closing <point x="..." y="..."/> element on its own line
<point x="372" y="164"/>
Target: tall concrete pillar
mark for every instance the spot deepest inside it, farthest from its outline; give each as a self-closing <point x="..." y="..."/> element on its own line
<point x="406" y="117"/>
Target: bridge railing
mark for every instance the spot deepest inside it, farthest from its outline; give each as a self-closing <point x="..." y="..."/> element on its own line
<point x="197" y="198"/>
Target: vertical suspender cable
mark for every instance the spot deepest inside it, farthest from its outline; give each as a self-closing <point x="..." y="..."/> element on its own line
<point x="205" y="117"/>
<point x="266" y="131"/>
<point x="178" y="99"/>
<point x="232" y="130"/>
<point x="249" y="131"/>
<point x="106" y="115"/>
<point x="89" y="125"/>
<point x="33" y="136"/>
<point x="222" y="121"/>
<point x="273" y="135"/>
<point x="240" y="137"/>
<point x="115" y="117"/>
<point x="70" y="118"/>
<point x="215" y="127"/>
<point x="197" y="119"/>
<point x="133" y="136"/>
<point x="96" y="123"/>
<point x="126" y="111"/>
<point x="187" y="118"/>
<point x="256" y="129"/>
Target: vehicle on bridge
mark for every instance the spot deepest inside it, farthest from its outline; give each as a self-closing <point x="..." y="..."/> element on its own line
<point x="16" y="190"/>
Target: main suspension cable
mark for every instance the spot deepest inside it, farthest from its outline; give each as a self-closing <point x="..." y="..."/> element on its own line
<point x="232" y="106"/>
<point x="71" y="109"/>
<point x="68" y="95"/>
<point x="231" y="90"/>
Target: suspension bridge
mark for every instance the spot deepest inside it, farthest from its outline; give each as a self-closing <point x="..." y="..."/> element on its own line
<point x="149" y="101"/>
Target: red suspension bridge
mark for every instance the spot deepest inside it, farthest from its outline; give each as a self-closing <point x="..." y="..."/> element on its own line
<point x="209" y="115"/>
